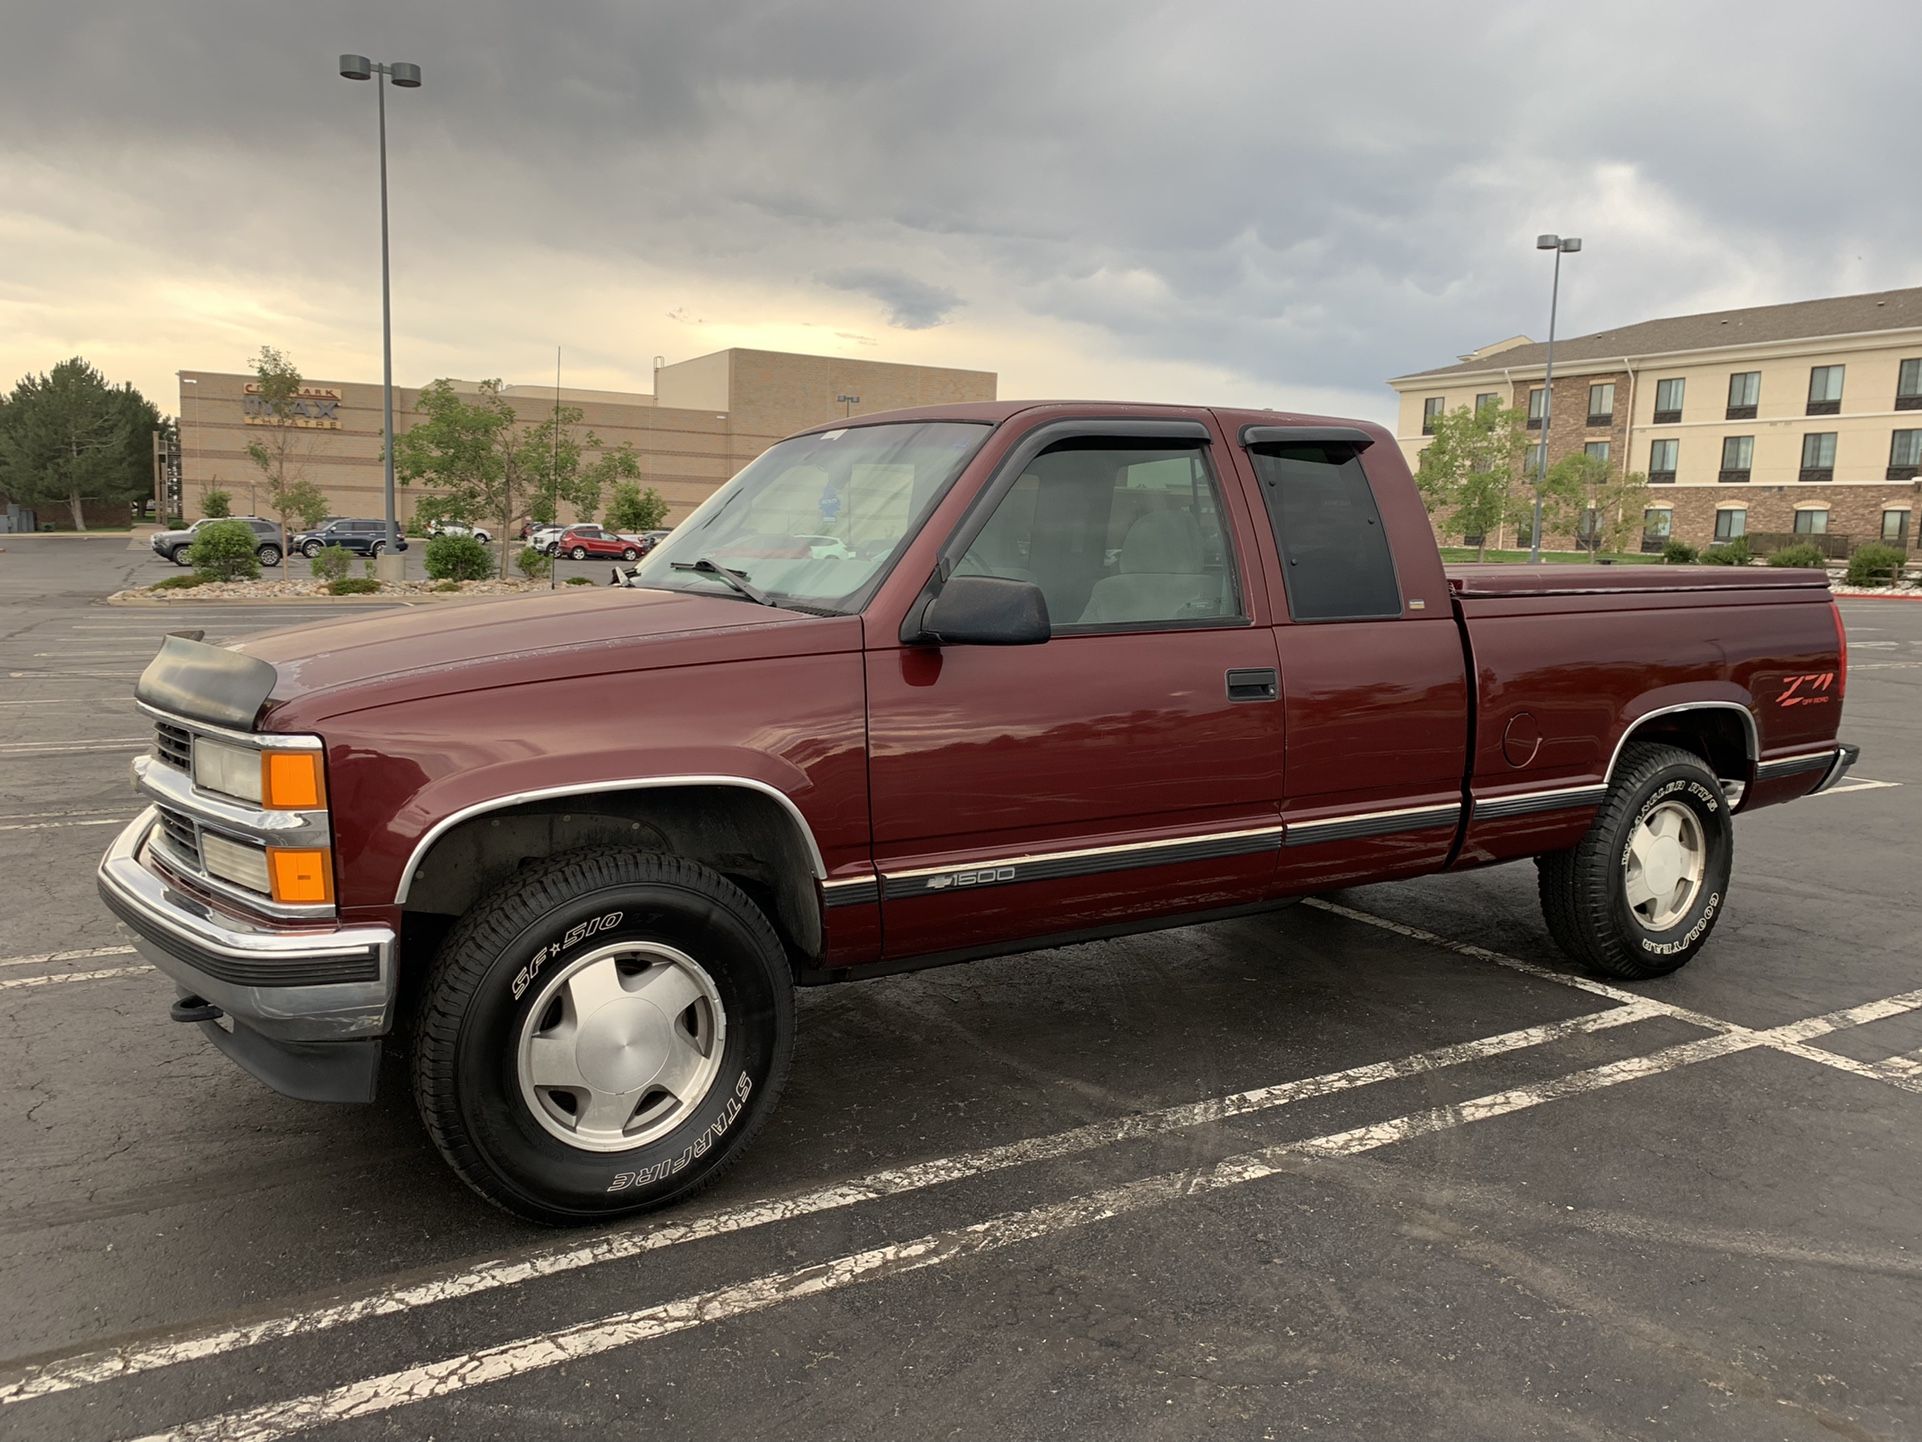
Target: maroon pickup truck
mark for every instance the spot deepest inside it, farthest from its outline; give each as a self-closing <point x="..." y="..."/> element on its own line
<point x="1059" y="671"/>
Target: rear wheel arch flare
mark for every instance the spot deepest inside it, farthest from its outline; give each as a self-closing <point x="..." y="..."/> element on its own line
<point x="1722" y="733"/>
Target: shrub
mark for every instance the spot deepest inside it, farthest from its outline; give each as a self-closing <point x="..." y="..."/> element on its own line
<point x="1729" y="553"/>
<point x="579" y="581"/>
<point x="185" y="581"/>
<point x="1804" y="555"/>
<point x="533" y="564"/>
<point x="458" y="558"/>
<point x="331" y="563"/>
<point x="353" y="586"/>
<point x="224" y="551"/>
<point x="445" y="586"/>
<point x="1678" y="553"/>
<point x="216" y="504"/>
<point x="1875" y="565"/>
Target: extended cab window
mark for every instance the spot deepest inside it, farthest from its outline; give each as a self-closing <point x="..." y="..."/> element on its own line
<point x="1115" y="535"/>
<point x="1335" y="559"/>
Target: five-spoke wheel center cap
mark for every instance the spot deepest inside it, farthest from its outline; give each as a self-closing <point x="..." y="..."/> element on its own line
<point x="1662" y="865"/>
<point x="624" y="1045"/>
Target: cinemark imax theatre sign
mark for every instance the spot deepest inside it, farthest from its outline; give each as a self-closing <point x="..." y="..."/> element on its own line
<point x="316" y="408"/>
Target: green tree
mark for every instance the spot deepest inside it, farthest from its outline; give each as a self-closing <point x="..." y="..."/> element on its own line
<point x="67" y="438"/>
<point x="1599" y="506"/>
<point x="216" y="504"/>
<point x="633" y="509"/>
<point x="1468" y="471"/>
<point x="225" y="551"/>
<point x="283" y="445"/>
<point x="484" y="463"/>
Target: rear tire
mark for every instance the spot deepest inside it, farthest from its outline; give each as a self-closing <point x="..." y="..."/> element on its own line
<point x="567" y="960"/>
<point x="310" y="550"/>
<point x="269" y="555"/>
<point x="1640" y="894"/>
<point x="579" y="553"/>
<point x="377" y="548"/>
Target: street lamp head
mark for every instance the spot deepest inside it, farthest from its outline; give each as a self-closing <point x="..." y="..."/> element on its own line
<point x="1547" y="242"/>
<point x="356" y="67"/>
<point x="404" y="75"/>
<point x="1571" y="244"/>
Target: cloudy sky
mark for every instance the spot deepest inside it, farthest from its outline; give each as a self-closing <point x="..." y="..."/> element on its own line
<point x="1269" y="204"/>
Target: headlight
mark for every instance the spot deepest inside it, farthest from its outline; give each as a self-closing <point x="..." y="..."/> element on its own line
<point x="230" y="770"/>
<point x="235" y="861"/>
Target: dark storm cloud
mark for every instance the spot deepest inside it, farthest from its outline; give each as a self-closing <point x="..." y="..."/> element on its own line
<point x="911" y="304"/>
<point x="1298" y="197"/>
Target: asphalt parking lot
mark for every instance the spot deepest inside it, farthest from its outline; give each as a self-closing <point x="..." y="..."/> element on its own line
<point x="1379" y="1165"/>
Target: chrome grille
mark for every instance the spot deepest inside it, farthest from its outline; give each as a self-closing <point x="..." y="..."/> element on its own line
<point x="183" y="838"/>
<point x="174" y="745"/>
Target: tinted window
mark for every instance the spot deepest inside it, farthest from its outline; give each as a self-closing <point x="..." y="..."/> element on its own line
<point x="1114" y="535"/>
<point x="1334" y="553"/>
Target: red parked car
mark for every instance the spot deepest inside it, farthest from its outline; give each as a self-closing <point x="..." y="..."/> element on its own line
<point x="583" y="541"/>
<point x="914" y="688"/>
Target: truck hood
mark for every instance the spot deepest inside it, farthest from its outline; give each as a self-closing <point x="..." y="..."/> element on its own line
<point x="432" y="649"/>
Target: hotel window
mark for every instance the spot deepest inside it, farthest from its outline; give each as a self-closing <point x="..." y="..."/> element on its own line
<point x="1825" y="390"/>
<point x="1668" y="402"/>
<point x="1486" y="399"/>
<point x="1431" y="411"/>
<point x="1537" y="453"/>
<point x="1731" y="523"/>
<point x="1658" y="524"/>
<point x="1596" y="450"/>
<point x="1744" y="394"/>
<point x="1536" y="400"/>
<point x="1601" y="404"/>
<point x="1905" y="455"/>
<point x="1895" y="528"/>
<point x="1908" y="385"/>
<point x="1811" y="522"/>
<point x="1818" y="456"/>
<point x="1661" y="460"/>
<point x="1737" y="453"/>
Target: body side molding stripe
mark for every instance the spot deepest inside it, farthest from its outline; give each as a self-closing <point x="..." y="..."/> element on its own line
<point x="1373" y="823"/>
<point x="1085" y="861"/>
<point x="1781" y="766"/>
<point x="1523" y="803"/>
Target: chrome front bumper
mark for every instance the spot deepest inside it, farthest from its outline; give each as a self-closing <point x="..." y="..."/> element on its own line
<point x="308" y="1007"/>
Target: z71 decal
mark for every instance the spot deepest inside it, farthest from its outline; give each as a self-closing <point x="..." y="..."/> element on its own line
<point x="1815" y="689"/>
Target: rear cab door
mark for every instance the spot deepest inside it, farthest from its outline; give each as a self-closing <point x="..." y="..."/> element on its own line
<point x="1127" y="766"/>
<point x="1374" y="681"/>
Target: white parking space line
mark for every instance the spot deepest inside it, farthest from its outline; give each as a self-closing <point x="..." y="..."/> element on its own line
<point x="1860" y="783"/>
<point x="1909" y="1064"/>
<point x="52" y="958"/>
<point x="60" y="978"/>
<point x="1884" y="666"/>
<point x="93" y="1367"/>
<point x="72" y="701"/>
<point x="58" y="825"/>
<point x="375" y="1395"/>
<point x="1873" y="645"/>
<point x="1791" y="1039"/>
<point x="24" y="750"/>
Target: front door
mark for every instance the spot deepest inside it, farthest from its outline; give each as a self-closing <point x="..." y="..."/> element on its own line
<point x="1131" y="763"/>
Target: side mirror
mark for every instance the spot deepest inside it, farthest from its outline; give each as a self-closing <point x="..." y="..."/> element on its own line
<point x="988" y="611"/>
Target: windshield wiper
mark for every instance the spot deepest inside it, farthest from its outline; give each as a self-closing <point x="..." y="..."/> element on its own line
<point x="707" y="566"/>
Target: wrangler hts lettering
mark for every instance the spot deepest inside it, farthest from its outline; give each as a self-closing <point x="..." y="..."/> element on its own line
<point x="917" y="688"/>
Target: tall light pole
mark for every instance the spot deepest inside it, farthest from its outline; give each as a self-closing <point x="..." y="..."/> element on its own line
<point x="848" y="403"/>
<point x="1561" y="245"/>
<point x="359" y="67"/>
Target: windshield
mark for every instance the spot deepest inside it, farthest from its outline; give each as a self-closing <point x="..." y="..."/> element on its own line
<point x="816" y="520"/>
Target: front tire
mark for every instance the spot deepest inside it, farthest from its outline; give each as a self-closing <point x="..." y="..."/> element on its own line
<point x="603" y="1035"/>
<point x="630" y="554"/>
<point x="1640" y="894"/>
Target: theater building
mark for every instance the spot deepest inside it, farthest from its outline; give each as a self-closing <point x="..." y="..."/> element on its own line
<point x="706" y="418"/>
<point x="1784" y="423"/>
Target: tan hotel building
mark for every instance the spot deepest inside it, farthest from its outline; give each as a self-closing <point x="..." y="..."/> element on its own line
<point x="1781" y="420"/>
<point x="706" y="419"/>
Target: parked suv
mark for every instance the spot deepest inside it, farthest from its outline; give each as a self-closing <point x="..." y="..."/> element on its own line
<point x="583" y="541"/>
<point x="460" y="528"/>
<point x="173" y="545"/>
<point x="365" y="538"/>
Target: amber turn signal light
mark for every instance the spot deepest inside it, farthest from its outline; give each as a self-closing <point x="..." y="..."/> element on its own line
<point x="290" y="780"/>
<point x="301" y="875"/>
